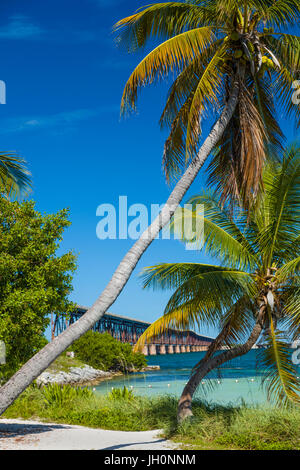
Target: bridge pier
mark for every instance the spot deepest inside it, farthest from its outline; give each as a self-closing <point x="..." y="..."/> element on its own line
<point x="162" y="349"/>
<point x="177" y="349"/>
<point x="170" y="349"/>
<point x="145" y="350"/>
<point x="187" y="348"/>
<point x="152" y="350"/>
<point x="182" y="349"/>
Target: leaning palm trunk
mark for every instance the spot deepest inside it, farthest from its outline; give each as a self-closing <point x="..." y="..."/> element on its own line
<point x="38" y="363"/>
<point x="208" y="364"/>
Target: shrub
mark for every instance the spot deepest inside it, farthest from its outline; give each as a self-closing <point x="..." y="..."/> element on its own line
<point x="57" y="395"/>
<point x="102" y="351"/>
<point x="121" y="394"/>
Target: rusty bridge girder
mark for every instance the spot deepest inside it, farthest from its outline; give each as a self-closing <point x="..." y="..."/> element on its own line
<point x="128" y="330"/>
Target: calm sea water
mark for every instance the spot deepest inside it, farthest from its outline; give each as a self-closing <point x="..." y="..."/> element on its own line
<point x="240" y="381"/>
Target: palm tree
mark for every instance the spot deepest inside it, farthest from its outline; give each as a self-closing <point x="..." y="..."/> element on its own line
<point x="255" y="289"/>
<point x="224" y="54"/>
<point x="208" y="45"/>
<point x="14" y="177"/>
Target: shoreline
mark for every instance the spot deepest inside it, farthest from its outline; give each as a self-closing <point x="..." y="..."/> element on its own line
<point x="84" y="376"/>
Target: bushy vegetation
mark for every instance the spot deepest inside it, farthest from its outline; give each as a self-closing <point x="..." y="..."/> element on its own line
<point x="59" y="395"/>
<point x="121" y="394"/>
<point x="102" y="351"/>
<point x="34" y="279"/>
<point x="213" y="427"/>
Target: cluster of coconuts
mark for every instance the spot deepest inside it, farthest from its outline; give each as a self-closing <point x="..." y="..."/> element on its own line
<point x="267" y="63"/>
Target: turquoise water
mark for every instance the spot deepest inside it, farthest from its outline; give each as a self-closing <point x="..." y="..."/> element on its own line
<point x="240" y="381"/>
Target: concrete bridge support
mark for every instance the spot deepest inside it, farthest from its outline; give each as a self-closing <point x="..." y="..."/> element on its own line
<point x="162" y="349"/>
<point x="182" y="349"/>
<point x="177" y="349"/>
<point x="152" y="350"/>
<point x="170" y="349"/>
<point x="187" y="348"/>
<point x="145" y="350"/>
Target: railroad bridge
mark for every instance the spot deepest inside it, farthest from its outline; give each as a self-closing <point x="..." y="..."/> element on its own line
<point x="128" y="330"/>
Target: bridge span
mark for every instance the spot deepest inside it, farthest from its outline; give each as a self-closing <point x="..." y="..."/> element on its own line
<point x="128" y="330"/>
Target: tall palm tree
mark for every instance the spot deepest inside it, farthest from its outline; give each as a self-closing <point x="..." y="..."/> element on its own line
<point x="14" y="176"/>
<point x="224" y="54"/>
<point x="207" y="46"/>
<point x="256" y="288"/>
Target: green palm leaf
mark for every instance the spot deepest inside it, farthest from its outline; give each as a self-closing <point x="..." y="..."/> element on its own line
<point x="283" y="384"/>
<point x="171" y="56"/>
<point x="14" y="176"/>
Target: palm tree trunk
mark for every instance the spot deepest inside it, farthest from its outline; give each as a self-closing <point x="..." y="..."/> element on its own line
<point x="205" y="366"/>
<point x="38" y="363"/>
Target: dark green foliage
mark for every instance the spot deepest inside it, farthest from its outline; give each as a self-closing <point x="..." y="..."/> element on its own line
<point x="102" y="351"/>
<point x="34" y="281"/>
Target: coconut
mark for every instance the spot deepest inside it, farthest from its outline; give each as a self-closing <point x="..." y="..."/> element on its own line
<point x="235" y="36"/>
<point x="238" y="54"/>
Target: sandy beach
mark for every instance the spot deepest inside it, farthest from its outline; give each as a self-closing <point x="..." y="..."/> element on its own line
<point x="16" y="434"/>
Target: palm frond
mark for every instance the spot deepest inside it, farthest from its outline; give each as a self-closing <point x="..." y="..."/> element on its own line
<point x="14" y="176"/>
<point x="212" y="291"/>
<point x="240" y="319"/>
<point x="279" y="12"/>
<point x="264" y="99"/>
<point x="170" y="56"/>
<point x="281" y="206"/>
<point x="160" y="20"/>
<point x="217" y="241"/>
<point x="235" y="222"/>
<point x="286" y="48"/>
<point x="291" y="311"/>
<point x="276" y="359"/>
<point x="284" y="89"/>
<point x="289" y="269"/>
<point x="204" y="98"/>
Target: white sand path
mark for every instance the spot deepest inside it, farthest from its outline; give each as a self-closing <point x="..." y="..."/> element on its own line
<point x="17" y="434"/>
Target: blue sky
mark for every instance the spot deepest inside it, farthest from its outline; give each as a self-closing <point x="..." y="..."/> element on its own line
<point x="64" y="79"/>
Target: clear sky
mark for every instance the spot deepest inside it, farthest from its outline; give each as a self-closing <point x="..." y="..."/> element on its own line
<point x="64" y="79"/>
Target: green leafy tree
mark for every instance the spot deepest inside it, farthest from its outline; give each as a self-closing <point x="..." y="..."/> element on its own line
<point x="102" y="351"/>
<point x="224" y="55"/>
<point x="255" y="290"/>
<point x="34" y="280"/>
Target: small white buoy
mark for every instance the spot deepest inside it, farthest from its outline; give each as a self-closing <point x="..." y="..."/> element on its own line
<point x="202" y="382"/>
<point x="252" y="380"/>
<point x="168" y="385"/>
<point x="150" y="386"/>
<point x="219" y="382"/>
<point x="236" y="380"/>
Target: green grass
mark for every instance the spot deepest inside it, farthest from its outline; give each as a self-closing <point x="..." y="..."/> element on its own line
<point x="63" y="364"/>
<point x="213" y="427"/>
